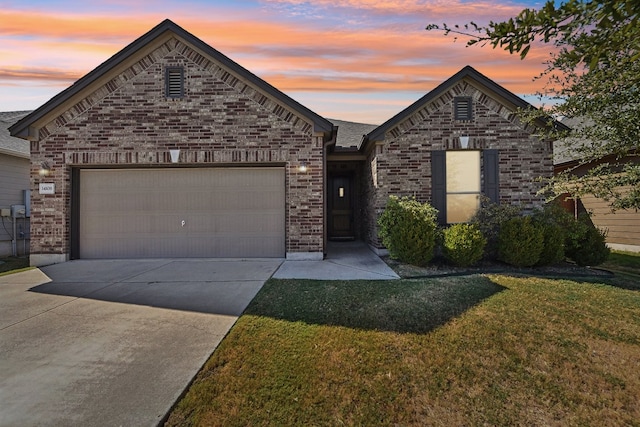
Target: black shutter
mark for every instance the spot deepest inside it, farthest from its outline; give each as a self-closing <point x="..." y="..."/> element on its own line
<point x="491" y="173"/>
<point x="439" y="184"/>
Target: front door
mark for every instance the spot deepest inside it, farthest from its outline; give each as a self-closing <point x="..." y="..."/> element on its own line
<point x="341" y="207"/>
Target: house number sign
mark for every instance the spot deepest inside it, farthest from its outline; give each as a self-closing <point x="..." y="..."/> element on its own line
<point x="47" y="188"/>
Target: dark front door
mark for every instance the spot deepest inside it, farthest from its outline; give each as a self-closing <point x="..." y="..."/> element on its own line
<point x="341" y="207"/>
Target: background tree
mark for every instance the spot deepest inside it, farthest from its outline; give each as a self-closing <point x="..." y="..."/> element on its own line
<point x="594" y="73"/>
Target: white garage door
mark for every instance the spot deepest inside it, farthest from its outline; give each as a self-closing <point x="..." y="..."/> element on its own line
<point x="200" y="212"/>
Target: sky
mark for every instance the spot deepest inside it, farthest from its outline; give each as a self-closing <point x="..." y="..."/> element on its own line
<point x="356" y="60"/>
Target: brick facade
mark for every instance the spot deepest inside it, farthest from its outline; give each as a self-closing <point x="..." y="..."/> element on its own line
<point x="401" y="164"/>
<point x="222" y="120"/>
<point x="119" y="116"/>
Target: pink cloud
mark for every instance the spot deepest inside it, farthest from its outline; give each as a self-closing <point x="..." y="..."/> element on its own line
<point x="294" y="56"/>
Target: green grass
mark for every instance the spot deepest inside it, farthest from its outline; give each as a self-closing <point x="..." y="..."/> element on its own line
<point x="472" y="350"/>
<point x="626" y="262"/>
<point x="13" y="265"/>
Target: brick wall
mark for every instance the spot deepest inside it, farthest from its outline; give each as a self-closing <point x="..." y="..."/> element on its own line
<point x="221" y="120"/>
<point x="402" y="165"/>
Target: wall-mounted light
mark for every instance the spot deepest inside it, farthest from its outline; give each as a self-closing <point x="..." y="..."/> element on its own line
<point x="303" y="167"/>
<point x="464" y="142"/>
<point x="45" y="169"/>
<point x="175" y="155"/>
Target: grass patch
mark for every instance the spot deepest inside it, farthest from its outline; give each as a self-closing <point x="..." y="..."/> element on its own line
<point x="13" y="265"/>
<point x="627" y="262"/>
<point x="474" y="350"/>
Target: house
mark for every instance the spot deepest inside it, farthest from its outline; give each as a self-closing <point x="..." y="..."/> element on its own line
<point x="171" y="149"/>
<point x="458" y="142"/>
<point x="14" y="179"/>
<point x="622" y="226"/>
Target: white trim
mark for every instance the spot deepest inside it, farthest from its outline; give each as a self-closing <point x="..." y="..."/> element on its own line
<point x="305" y="256"/>
<point x="14" y="153"/>
<point x="39" y="260"/>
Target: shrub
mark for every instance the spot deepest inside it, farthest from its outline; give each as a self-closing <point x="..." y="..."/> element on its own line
<point x="463" y="244"/>
<point x="553" y="237"/>
<point x="489" y="218"/>
<point x="552" y="220"/>
<point x="409" y="230"/>
<point x="586" y="244"/>
<point x="520" y="242"/>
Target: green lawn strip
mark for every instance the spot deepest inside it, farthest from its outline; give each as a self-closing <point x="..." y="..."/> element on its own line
<point x="474" y="350"/>
<point x="625" y="262"/>
<point x="13" y="265"/>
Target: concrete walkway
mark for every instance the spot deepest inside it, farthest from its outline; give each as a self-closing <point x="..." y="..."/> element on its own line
<point x="114" y="343"/>
<point x="344" y="261"/>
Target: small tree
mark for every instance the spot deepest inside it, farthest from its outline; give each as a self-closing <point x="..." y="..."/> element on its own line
<point x="409" y="230"/>
<point x="594" y="71"/>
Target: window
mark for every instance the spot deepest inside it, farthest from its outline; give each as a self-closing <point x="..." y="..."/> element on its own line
<point x="174" y="82"/>
<point x="457" y="180"/>
<point x="462" y="185"/>
<point x="462" y="108"/>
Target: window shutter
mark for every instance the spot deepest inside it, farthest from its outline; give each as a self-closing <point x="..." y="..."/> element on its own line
<point x="439" y="184"/>
<point x="491" y="175"/>
<point x="175" y="82"/>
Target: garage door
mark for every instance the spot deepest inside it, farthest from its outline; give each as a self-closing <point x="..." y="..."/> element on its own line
<point x="204" y="212"/>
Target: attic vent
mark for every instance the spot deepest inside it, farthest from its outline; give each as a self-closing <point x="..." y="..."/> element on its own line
<point x="175" y="82"/>
<point x="462" y="108"/>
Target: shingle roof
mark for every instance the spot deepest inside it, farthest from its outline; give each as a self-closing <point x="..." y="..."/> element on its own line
<point x="350" y="134"/>
<point x="566" y="150"/>
<point x="9" y="144"/>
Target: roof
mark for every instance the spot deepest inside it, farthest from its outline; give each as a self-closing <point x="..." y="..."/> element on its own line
<point x="350" y="134"/>
<point x="565" y="149"/>
<point x="467" y="72"/>
<point x="21" y="129"/>
<point x="8" y="144"/>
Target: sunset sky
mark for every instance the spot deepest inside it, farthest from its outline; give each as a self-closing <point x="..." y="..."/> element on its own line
<point x="358" y="60"/>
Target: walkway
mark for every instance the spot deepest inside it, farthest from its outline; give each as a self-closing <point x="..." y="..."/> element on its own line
<point x="344" y="261"/>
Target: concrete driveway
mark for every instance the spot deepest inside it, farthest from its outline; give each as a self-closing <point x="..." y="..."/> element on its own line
<point x="114" y="343"/>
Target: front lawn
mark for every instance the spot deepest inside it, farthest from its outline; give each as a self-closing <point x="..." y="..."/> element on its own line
<point x="469" y="350"/>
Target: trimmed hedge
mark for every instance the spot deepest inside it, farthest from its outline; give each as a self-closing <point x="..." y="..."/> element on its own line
<point x="409" y="230"/>
<point x="586" y="244"/>
<point x="463" y="244"/>
<point x="520" y="242"/>
<point x="489" y="219"/>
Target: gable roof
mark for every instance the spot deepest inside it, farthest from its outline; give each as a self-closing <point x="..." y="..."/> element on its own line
<point x="8" y="144"/>
<point x="21" y="129"/>
<point x="467" y="72"/>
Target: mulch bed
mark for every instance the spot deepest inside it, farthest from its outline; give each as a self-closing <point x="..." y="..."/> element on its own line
<point x="439" y="268"/>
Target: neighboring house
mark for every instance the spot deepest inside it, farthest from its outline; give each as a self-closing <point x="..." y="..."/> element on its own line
<point x="622" y="226"/>
<point x="257" y="174"/>
<point x="14" y="180"/>
<point x="420" y="152"/>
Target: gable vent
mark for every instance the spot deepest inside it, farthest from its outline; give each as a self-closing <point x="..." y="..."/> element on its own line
<point x="462" y="108"/>
<point x="175" y="82"/>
